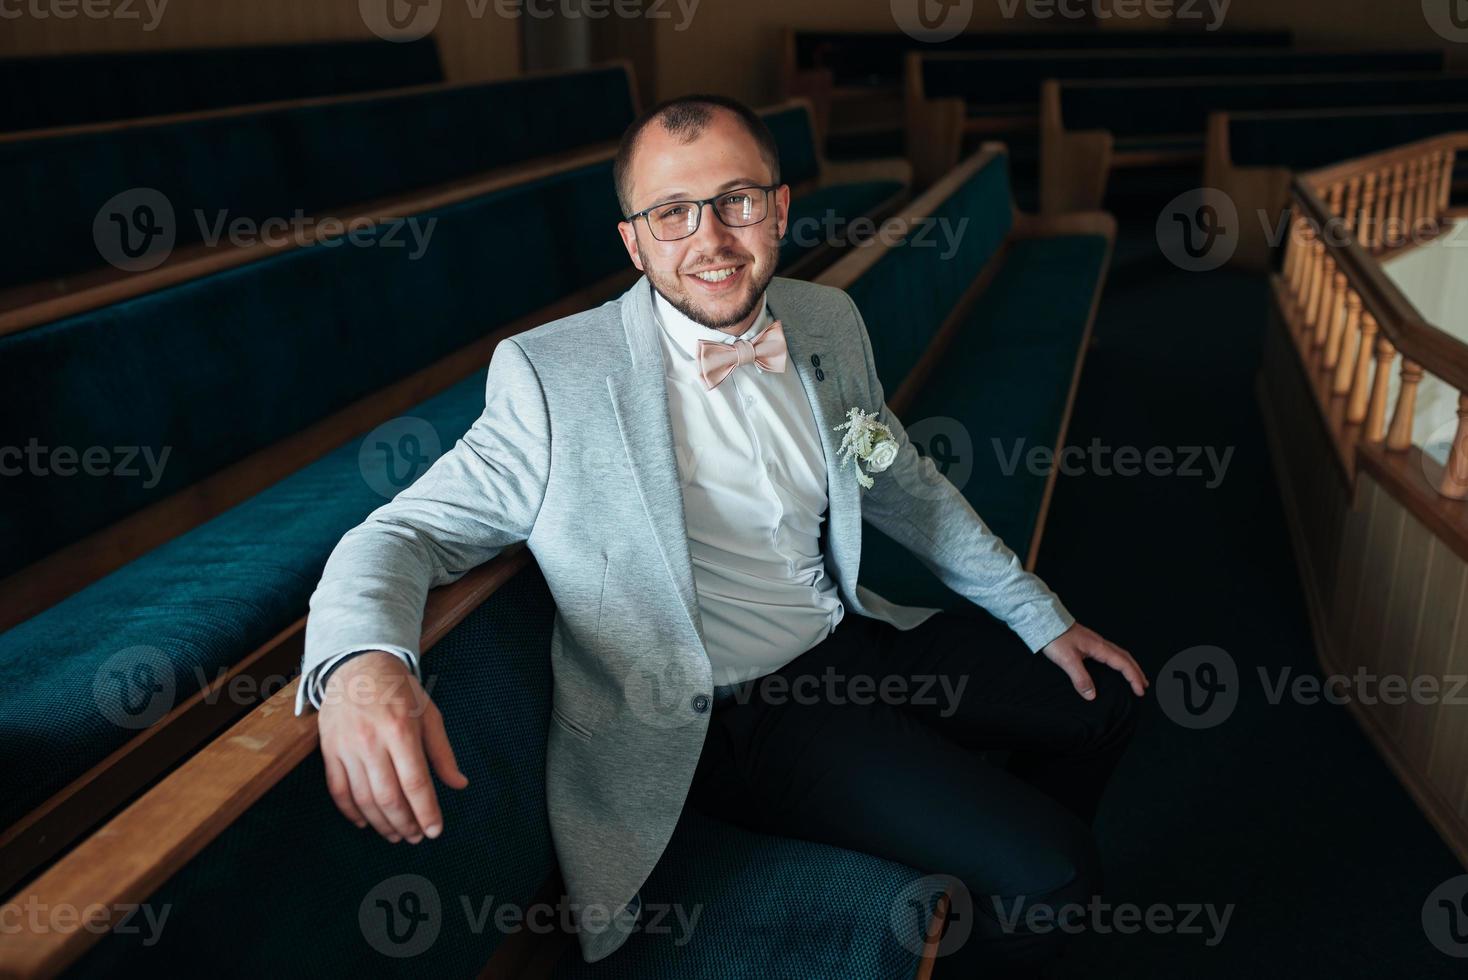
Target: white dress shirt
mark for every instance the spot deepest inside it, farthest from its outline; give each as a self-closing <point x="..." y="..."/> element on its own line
<point x="754" y="497"/>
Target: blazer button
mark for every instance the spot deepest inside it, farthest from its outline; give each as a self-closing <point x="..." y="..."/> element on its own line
<point x="815" y="360"/>
<point x="820" y="375"/>
<point x="700" y="703"/>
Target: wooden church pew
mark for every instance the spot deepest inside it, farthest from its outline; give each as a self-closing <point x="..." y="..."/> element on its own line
<point x="337" y="157"/>
<point x="1000" y="91"/>
<point x="67" y="90"/>
<point x="1087" y="128"/>
<point x="1253" y="156"/>
<point x="1015" y="303"/>
<point x="855" y="78"/>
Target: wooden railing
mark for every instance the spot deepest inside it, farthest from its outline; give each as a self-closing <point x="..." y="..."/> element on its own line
<point x="1349" y="317"/>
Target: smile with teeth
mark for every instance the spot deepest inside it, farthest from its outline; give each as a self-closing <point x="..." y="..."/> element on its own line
<point x="716" y="275"/>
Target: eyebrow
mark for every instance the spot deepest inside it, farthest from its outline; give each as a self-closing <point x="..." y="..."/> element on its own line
<point x="728" y="185"/>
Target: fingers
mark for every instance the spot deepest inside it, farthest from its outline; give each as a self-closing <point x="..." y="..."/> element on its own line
<point x="417" y="789"/>
<point x="1079" y="679"/>
<point x="362" y="796"/>
<point x="341" y="791"/>
<point x="440" y="752"/>
<point x="1117" y="658"/>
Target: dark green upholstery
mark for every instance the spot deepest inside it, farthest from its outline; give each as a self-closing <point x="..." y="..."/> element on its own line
<point x="279" y="893"/>
<point x="1304" y="140"/>
<point x="67" y="90"/>
<point x="1181" y="106"/>
<point x="831" y="207"/>
<point x="876" y="58"/>
<point x="769" y="907"/>
<point x="799" y="161"/>
<point x="84" y="674"/>
<point x="1004" y="78"/>
<point x="317" y="159"/>
<point x="905" y="297"/>
<point x="220" y="367"/>
<point x="1025" y="334"/>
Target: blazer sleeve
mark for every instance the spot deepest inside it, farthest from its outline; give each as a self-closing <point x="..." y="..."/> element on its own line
<point x="941" y="528"/>
<point x="481" y="496"/>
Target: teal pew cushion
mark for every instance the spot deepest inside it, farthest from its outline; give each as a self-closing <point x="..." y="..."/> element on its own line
<point x="1015" y="78"/>
<point x="321" y="160"/>
<point x="744" y="888"/>
<point x="905" y="297"/>
<point x="791" y="128"/>
<point x="93" y="671"/>
<point x="291" y="889"/>
<point x="68" y="90"/>
<point x="217" y="368"/>
<point x="825" y="214"/>
<point x="1181" y="106"/>
<point x="999" y="392"/>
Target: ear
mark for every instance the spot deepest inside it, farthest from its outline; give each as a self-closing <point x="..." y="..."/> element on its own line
<point x="782" y="209"/>
<point x="628" y="231"/>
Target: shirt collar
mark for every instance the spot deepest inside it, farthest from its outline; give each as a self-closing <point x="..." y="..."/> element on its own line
<point x="685" y="333"/>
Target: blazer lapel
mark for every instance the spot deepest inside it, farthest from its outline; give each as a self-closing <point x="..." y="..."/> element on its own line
<point x="639" y="398"/>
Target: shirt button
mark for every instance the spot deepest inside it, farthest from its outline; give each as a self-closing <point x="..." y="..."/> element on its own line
<point x="820" y="375"/>
<point x="700" y="703"/>
<point x="815" y="360"/>
<point x="748" y="401"/>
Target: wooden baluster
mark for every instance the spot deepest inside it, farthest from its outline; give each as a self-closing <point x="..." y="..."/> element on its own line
<point x="1366" y="229"/>
<point x="1361" y="383"/>
<point x="1336" y="322"/>
<point x="1454" y="481"/>
<point x="1383" y="206"/>
<point x="1400" y="436"/>
<point x="1353" y="203"/>
<point x="1346" y="353"/>
<point x="1427" y="198"/>
<point x="1409" y="202"/>
<point x="1445" y="188"/>
<point x="1392" y="232"/>
<point x="1312" y="294"/>
<point x="1324" y="313"/>
<point x="1292" y="249"/>
<point x="1380" y="380"/>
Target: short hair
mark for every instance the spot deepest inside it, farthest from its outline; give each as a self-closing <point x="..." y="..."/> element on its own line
<point x="686" y="117"/>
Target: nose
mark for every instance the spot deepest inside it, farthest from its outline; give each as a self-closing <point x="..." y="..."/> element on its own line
<point x="712" y="234"/>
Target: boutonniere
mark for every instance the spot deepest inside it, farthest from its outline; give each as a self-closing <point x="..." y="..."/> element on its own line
<point x="869" y="441"/>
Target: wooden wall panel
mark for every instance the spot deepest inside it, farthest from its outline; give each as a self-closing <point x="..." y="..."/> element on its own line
<point x="1437" y="637"/>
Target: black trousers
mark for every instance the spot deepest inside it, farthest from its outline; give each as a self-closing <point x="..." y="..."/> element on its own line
<point x="875" y="740"/>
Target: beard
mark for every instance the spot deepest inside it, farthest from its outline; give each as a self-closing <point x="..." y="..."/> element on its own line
<point x="669" y="286"/>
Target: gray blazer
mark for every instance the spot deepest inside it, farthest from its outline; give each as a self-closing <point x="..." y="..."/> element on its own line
<point x="574" y="456"/>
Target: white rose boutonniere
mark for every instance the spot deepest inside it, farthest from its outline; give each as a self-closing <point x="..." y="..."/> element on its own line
<point x="869" y="441"/>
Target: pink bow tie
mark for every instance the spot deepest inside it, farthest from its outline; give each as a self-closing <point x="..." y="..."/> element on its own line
<point x="716" y="360"/>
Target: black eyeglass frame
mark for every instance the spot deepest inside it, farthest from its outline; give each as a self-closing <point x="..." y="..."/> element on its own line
<point x="643" y="214"/>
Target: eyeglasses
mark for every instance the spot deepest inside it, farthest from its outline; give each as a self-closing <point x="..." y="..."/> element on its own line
<point x="739" y="208"/>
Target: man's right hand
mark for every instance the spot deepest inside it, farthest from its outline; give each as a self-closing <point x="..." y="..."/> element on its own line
<point x="379" y="731"/>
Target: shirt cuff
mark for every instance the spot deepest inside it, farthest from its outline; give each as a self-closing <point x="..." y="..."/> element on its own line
<point x="313" y="684"/>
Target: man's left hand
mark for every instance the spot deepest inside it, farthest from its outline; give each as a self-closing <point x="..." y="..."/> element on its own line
<point x="1076" y="644"/>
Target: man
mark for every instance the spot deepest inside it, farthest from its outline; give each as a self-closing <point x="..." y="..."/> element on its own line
<point x="670" y="458"/>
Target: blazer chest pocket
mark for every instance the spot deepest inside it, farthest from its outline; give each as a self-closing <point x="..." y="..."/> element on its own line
<point x="570" y="724"/>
